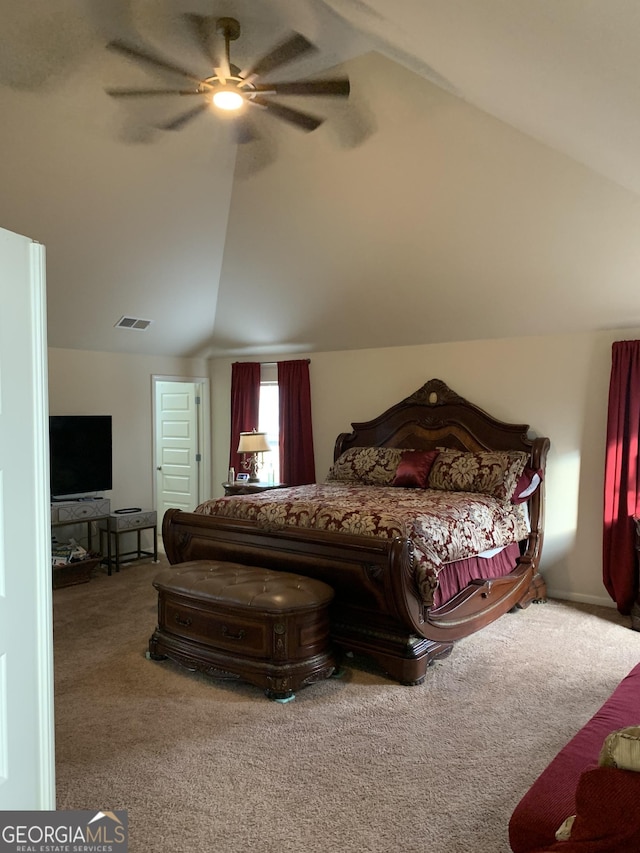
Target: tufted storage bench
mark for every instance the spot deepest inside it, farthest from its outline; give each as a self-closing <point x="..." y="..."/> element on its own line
<point x="234" y="621"/>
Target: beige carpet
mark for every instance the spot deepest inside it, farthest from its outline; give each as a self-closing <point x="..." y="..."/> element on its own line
<point x="351" y="766"/>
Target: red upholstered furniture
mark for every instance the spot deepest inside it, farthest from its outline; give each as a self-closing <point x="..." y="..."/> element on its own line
<point x="599" y="797"/>
<point x="607" y="814"/>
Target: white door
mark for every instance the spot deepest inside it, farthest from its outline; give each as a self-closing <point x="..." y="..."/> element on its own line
<point x="26" y="661"/>
<point x="177" y="445"/>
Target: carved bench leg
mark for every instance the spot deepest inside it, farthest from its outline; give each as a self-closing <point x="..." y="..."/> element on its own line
<point x="153" y="653"/>
<point x="282" y="698"/>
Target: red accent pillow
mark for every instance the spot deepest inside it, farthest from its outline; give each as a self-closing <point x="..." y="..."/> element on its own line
<point x="413" y="470"/>
<point x="529" y="481"/>
<point x="607" y="817"/>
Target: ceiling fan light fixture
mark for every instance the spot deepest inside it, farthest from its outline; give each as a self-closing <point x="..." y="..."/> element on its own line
<point x="229" y="89"/>
<point x="228" y="98"/>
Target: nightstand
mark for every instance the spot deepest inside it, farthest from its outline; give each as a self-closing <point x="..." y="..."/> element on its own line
<point x="246" y="488"/>
<point x="117" y="524"/>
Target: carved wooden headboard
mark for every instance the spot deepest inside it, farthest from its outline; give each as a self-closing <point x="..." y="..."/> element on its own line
<point x="435" y="416"/>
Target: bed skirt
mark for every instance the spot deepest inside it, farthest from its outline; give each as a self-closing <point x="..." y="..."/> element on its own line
<point x="457" y="575"/>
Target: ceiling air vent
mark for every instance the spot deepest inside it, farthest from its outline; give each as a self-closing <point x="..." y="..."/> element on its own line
<point x="133" y="323"/>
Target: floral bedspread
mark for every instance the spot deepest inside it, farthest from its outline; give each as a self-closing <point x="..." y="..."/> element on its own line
<point x="444" y="526"/>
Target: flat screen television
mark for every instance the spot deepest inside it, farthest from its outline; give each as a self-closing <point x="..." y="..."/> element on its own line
<point x="80" y="458"/>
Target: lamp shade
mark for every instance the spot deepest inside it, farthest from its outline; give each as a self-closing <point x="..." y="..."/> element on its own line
<point x="253" y="442"/>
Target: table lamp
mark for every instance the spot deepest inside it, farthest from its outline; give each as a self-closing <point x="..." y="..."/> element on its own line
<point x="252" y="445"/>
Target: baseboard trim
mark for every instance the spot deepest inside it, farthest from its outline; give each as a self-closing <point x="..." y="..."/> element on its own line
<point x="601" y="601"/>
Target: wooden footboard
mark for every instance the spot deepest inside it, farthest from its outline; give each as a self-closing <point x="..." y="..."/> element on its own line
<point x="377" y="610"/>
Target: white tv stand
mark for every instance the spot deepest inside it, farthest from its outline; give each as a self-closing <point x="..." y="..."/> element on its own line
<point x="80" y="512"/>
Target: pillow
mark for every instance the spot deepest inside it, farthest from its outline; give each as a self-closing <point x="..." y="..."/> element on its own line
<point x="413" y="470"/>
<point x="490" y="472"/>
<point x="529" y="481"/>
<point x="368" y="466"/>
<point x="621" y="749"/>
<point x="607" y="817"/>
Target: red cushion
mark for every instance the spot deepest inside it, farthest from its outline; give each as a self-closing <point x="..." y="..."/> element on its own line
<point x="607" y="814"/>
<point x="552" y="797"/>
<point x="413" y="470"/>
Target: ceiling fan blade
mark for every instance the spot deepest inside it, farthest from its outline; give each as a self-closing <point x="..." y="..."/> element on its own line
<point x="305" y="121"/>
<point x="204" y="29"/>
<point x="143" y="93"/>
<point x="207" y="32"/>
<point x="292" y="48"/>
<point x="244" y="130"/>
<point x="307" y="87"/>
<point x="157" y="62"/>
<point x="179" y="122"/>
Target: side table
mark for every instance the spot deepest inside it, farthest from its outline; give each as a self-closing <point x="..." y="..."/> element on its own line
<point x="118" y="524"/>
<point x="66" y="513"/>
<point x="243" y="487"/>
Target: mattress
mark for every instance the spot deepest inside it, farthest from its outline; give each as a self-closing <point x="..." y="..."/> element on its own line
<point x="443" y="526"/>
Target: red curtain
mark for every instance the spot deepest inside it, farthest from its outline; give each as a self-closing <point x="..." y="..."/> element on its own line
<point x="621" y="478"/>
<point x="297" y="465"/>
<point x="245" y="404"/>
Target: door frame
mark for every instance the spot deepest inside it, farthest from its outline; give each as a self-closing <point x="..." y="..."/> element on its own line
<point x="29" y="521"/>
<point x="204" y="432"/>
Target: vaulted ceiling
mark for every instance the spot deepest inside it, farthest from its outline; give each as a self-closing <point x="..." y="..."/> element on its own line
<point x="482" y="180"/>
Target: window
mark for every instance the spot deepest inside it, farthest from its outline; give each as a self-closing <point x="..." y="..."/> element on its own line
<point x="269" y="422"/>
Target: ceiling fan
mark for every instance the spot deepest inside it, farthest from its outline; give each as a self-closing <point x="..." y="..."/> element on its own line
<point x="230" y="88"/>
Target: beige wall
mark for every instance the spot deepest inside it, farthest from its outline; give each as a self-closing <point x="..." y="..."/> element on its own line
<point x="557" y="384"/>
<point x="116" y="384"/>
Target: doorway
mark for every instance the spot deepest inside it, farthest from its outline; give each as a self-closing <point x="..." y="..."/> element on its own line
<point x="181" y="442"/>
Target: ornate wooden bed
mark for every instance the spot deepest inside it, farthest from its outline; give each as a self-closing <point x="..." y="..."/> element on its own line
<point x="378" y="609"/>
